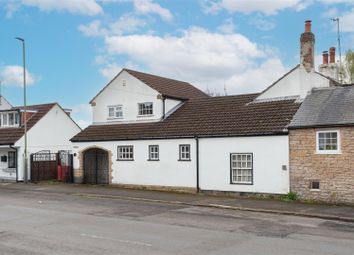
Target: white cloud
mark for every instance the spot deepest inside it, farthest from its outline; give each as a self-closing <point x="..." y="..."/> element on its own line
<point x="346" y="21"/>
<point x="206" y="59"/>
<point x="148" y="6"/>
<point x="92" y="29"/>
<point x="228" y="27"/>
<point x="126" y="23"/>
<point x="336" y="1"/>
<point x="261" y="23"/>
<point x="12" y="75"/>
<point x="82" y="114"/>
<point x="110" y="70"/>
<point x="85" y="7"/>
<point x="268" y="7"/>
<point x="257" y="78"/>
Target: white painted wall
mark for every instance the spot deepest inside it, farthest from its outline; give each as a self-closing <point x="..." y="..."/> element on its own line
<point x="297" y="83"/>
<point x="53" y="132"/>
<point x="269" y="154"/>
<point x="4" y="104"/>
<point x="168" y="171"/>
<point x="129" y="96"/>
<point x="171" y="105"/>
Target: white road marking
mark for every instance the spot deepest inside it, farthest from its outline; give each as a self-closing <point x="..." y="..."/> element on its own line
<point x="117" y="240"/>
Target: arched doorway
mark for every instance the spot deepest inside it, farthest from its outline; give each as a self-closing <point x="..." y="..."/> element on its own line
<point x="96" y="169"/>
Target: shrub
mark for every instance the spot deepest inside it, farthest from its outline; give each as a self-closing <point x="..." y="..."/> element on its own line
<point x="291" y="196"/>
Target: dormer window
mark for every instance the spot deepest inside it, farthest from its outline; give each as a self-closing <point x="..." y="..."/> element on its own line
<point x="9" y="119"/>
<point x="115" y="112"/>
<point x="145" y="109"/>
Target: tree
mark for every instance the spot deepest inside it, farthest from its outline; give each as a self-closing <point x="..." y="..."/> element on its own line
<point x="349" y="65"/>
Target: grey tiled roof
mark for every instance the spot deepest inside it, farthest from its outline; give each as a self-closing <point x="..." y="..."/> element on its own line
<point x="326" y="107"/>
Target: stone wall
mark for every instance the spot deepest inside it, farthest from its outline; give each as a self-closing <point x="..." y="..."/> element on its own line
<point x="335" y="172"/>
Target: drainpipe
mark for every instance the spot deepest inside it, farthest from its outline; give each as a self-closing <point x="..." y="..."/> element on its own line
<point x="16" y="161"/>
<point x="163" y="107"/>
<point x="197" y="162"/>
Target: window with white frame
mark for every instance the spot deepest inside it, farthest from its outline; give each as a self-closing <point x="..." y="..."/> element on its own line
<point x="115" y="111"/>
<point x="242" y="168"/>
<point x="153" y="152"/>
<point x="184" y="152"/>
<point x="4" y="119"/>
<point x="125" y="153"/>
<point x="328" y="141"/>
<point x="145" y="109"/>
<point x="9" y="119"/>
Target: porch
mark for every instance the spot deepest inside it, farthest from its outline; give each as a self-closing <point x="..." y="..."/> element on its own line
<point x="8" y="163"/>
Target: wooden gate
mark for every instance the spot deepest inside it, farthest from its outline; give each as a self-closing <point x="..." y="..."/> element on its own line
<point x="47" y="166"/>
<point x="96" y="166"/>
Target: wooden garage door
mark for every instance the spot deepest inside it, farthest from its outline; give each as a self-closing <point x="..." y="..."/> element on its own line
<point x="96" y="167"/>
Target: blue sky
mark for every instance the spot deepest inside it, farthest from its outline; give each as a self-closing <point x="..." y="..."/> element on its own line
<point x="75" y="46"/>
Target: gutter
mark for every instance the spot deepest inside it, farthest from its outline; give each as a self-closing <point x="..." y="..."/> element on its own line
<point x="322" y="126"/>
<point x="16" y="150"/>
<point x="179" y="137"/>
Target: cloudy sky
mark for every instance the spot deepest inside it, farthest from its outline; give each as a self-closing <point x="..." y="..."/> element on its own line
<point x="75" y="46"/>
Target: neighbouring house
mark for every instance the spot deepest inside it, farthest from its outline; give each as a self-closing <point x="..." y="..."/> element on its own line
<point x="161" y="133"/>
<point x="49" y="129"/>
<point x="322" y="146"/>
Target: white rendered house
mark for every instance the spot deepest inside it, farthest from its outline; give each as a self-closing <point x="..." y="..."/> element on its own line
<point x="49" y="128"/>
<point x="157" y="132"/>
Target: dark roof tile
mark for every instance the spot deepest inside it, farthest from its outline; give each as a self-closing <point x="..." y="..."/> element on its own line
<point x="9" y="136"/>
<point x="213" y="116"/>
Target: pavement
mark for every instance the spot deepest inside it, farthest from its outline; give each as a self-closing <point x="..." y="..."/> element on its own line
<point x="294" y="208"/>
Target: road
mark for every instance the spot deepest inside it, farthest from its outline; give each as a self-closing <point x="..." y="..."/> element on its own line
<point x="38" y="222"/>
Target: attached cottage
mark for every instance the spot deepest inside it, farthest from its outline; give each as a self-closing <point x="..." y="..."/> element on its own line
<point x="49" y="129"/>
<point x="322" y="146"/>
<point x="165" y="134"/>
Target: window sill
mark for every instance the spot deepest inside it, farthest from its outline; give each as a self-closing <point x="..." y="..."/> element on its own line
<point x="125" y="159"/>
<point x="241" y="183"/>
<point x="328" y="152"/>
<point x="147" y="115"/>
<point x="153" y="160"/>
<point x="315" y="190"/>
<point x="117" y="118"/>
<point x="185" y="160"/>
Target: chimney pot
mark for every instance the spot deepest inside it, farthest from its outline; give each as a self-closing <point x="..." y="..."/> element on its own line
<point x="325" y="57"/>
<point x="332" y="55"/>
<point x="308" y="26"/>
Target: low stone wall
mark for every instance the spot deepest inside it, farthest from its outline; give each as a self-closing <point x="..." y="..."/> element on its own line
<point x="335" y="172"/>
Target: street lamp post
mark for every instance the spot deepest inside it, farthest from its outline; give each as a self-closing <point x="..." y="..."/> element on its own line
<point x="25" y="168"/>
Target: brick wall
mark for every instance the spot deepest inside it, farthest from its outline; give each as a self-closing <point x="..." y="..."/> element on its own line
<point x="334" y="171"/>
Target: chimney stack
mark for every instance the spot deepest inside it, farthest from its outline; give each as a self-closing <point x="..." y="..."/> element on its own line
<point x="330" y="69"/>
<point x="332" y="55"/>
<point x="307" y="48"/>
<point x="325" y="58"/>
